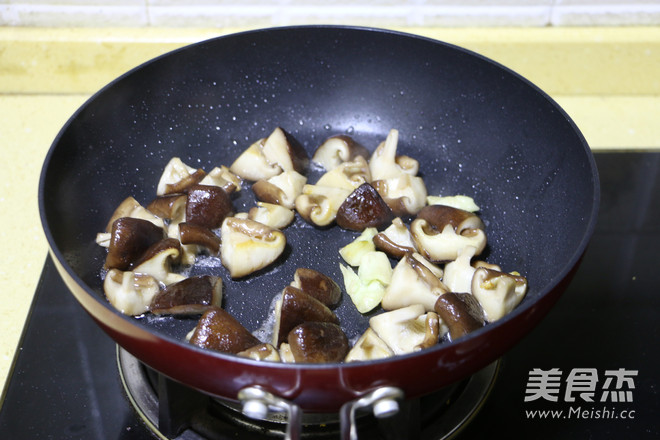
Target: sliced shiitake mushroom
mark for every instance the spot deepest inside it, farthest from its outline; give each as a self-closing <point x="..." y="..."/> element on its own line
<point x="248" y="246"/>
<point x="318" y="205"/>
<point x="207" y="206"/>
<point x="281" y="189"/>
<point x="262" y="352"/>
<point x="218" y="330"/>
<point x="283" y="149"/>
<point x="395" y="240"/>
<point x="296" y="307"/>
<point x="412" y="283"/>
<point x="318" y="342"/>
<point x="461" y="313"/>
<point x="348" y="175"/>
<point x="318" y="285"/>
<point x="177" y="177"/>
<point x="130" y="207"/>
<point x="191" y="296"/>
<point x="158" y="259"/>
<point x="404" y="194"/>
<point x="129" y="292"/>
<point x="338" y="149"/>
<point x="498" y="292"/>
<point x="169" y="206"/>
<point x="129" y="240"/>
<point x="369" y="347"/>
<point x="199" y="235"/>
<point x="442" y="232"/>
<point x="408" y="329"/>
<point x="363" y="208"/>
<point x="222" y="177"/>
<point x="274" y="216"/>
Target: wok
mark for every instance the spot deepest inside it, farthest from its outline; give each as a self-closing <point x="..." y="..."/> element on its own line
<point x="476" y="128"/>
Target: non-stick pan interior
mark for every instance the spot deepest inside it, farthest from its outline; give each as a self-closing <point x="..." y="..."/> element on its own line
<point x="475" y="127"/>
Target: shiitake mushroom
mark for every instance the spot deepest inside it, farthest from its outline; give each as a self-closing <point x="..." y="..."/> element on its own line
<point x="218" y="330"/>
<point x="461" y="313"/>
<point x="190" y="296"/>
<point x="362" y="209"/>
<point x="317" y="342"/>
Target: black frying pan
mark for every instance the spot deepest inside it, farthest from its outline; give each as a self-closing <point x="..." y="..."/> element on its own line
<point x="476" y="128"/>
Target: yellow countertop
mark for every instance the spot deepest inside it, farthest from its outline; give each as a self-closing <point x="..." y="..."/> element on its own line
<point x="607" y="79"/>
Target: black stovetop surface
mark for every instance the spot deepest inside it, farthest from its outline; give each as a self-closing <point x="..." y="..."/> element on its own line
<point x="65" y="384"/>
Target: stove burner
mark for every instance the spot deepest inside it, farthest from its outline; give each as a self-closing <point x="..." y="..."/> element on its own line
<point x="171" y="410"/>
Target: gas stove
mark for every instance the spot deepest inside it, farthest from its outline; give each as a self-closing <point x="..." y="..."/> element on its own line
<point x="590" y="369"/>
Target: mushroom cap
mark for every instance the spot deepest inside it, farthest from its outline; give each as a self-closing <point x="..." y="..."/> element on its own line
<point x="218" y="330"/>
<point x="189" y="296"/>
<point x="207" y="206"/>
<point x="363" y="208"/>
<point x="318" y="342"/>
<point x="130" y="238"/>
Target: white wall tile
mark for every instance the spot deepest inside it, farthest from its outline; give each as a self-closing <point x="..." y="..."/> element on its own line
<point x="382" y="13"/>
<point x="73" y="15"/>
<point x="606" y="14"/>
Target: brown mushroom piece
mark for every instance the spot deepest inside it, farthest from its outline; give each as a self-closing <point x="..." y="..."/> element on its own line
<point x="207" y="206"/>
<point x="318" y="285"/>
<point x="338" y="149"/>
<point x="158" y="259"/>
<point x="318" y="205"/>
<point x="404" y="194"/>
<point x="395" y="240"/>
<point x="218" y="330"/>
<point x="177" y="177"/>
<point x="129" y="239"/>
<point x="169" y="206"/>
<point x="130" y="207"/>
<point x="222" y="177"/>
<point x="248" y="246"/>
<point x="498" y="292"/>
<point x="268" y="157"/>
<point x="442" y="232"/>
<point x="191" y="296"/>
<point x="362" y="209"/>
<point x="296" y="307"/>
<point x="283" y="149"/>
<point x="281" y="189"/>
<point x="318" y="342"/>
<point x="199" y="235"/>
<point x="461" y="313"/>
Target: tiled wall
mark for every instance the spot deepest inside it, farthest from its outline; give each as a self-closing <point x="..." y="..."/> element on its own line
<point x="237" y="13"/>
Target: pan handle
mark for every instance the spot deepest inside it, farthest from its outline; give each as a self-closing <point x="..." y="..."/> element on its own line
<point x="383" y="402"/>
<point x="257" y="403"/>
